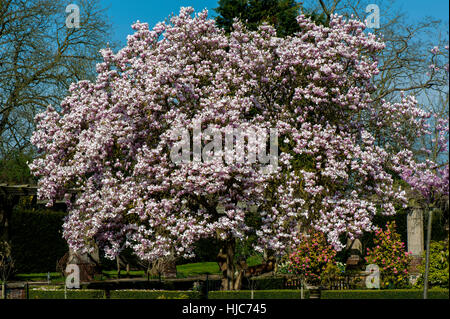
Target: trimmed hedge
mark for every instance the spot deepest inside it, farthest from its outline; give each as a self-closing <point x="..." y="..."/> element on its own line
<point x="384" y="294"/>
<point x="36" y="240"/>
<point x="152" y="284"/>
<point x="237" y="294"/>
<point x="71" y="294"/>
<point x="265" y="283"/>
<point x="258" y="294"/>
<point x="153" y="294"/>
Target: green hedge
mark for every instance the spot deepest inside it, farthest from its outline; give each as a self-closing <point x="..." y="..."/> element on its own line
<point x="384" y="294"/>
<point x="439" y="266"/>
<point x="153" y="294"/>
<point x="238" y="294"/>
<point x="71" y="294"/>
<point x="152" y="284"/>
<point x="36" y="240"/>
<point x="265" y="283"/>
<point x="259" y="294"/>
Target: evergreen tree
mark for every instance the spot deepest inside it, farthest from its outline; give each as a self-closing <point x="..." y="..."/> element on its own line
<point x="279" y="13"/>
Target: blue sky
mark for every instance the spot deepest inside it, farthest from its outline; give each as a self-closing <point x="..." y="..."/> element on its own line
<point x="124" y="13"/>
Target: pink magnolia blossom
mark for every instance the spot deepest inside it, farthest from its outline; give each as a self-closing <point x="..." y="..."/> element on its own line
<point x="112" y="138"/>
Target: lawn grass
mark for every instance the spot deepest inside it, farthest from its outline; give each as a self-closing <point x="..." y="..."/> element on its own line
<point x="39" y="275"/>
<point x="210" y="267"/>
<point x="183" y="271"/>
<point x="195" y="269"/>
<point x="55" y="277"/>
<point x="123" y="273"/>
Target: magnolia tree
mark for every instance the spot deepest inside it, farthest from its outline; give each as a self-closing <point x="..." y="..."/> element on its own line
<point x="115" y="140"/>
<point x="429" y="179"/>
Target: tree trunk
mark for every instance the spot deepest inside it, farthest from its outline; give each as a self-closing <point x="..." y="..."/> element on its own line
<point x="232" y="276"/>
<point x="229" y="249"/>
<point x="118" y="266"/>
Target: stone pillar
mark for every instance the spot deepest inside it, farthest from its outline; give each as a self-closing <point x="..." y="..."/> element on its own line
<point x="415" y="237"/>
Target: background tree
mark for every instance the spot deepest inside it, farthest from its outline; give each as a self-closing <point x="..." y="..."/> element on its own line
<point x="14" y="167"/>
<point x="281" y="14"/>
<point x="39" y="57"/>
